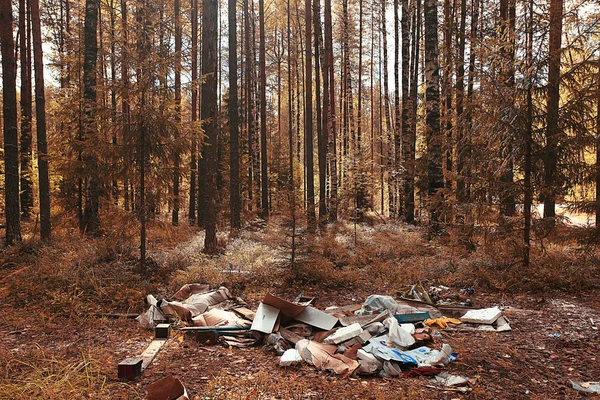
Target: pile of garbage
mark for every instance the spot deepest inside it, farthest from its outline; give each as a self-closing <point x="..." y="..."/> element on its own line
<point x="382" y="336"/>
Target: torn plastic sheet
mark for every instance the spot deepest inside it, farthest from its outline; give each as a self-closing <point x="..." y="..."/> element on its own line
<point x="153" y="316"/>
<point x="397" y="334"/>
<point x="587" y="387"/>
<point x="377" y="303"/>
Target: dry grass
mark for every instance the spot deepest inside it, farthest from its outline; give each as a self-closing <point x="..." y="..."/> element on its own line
<point x="32" y="373"/>
<point x="62" y="284"/>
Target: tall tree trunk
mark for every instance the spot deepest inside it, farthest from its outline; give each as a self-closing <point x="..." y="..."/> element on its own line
<point x="113" y="90"/>
<point x="406" y="107"/>
<point x="234" y="121"/>
<point x="194" y="113"/>
<point x="308" y="124"/>
<point x="332" y="151"/>
<point x="125" y="107"/>
<point x="447" y="91"/>
<point x="145" y="81"/>
<point x="460" y="95"/>
<point x="528" y="139"/>
<point x="9" y="104"/>
<point x="394" y="192"/>
<point x="412" y="135"/>
<point x="26" y="111"/>
<point x="388" y="118"/>
<point x="322" y="112"/>
<point x="507" y="19"/>
<point x="359" y="179"/>
<point x="249" y="102"/>
<point x="432" y="114"/>
<point x="470" y="88"/>
<point x="263" y="114"/>
<point x="40" y="116"/>
<point x="290" y="109"/>
<point x="177" y="156"/>
<point x="209" y="115"/>
<point x="91" y="220"/>
<point x="552" y="130"/>
<point x="598" y="148"/>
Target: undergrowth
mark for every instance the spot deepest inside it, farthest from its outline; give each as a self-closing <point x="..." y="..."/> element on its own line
<point x="47" y="287"/>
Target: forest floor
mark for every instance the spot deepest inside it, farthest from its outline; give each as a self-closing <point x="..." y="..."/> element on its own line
<point x="55" y="344"/>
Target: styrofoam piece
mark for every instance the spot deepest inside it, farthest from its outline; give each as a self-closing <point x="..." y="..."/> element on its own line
<point x="290" y="357"/>
<point x="343" y="334"/>
<point x="482" y="316"/>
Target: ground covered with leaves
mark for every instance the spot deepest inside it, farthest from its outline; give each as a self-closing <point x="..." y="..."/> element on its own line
<point x="57" y="343"/>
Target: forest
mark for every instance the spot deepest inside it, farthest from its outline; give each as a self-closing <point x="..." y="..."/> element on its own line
<point x="334" y="149"/>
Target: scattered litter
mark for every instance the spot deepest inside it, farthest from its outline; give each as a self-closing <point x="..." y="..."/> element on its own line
<point x="587" y="387"/>
<point x="386" y="336"/>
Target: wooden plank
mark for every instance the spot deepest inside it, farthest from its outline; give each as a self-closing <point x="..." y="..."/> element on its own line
<point x="151" y="351"/>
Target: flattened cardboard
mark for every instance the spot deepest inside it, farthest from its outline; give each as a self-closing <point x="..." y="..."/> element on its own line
<point x="323" y="356"/>
<point x="317" y="318"/>
<point x="287" y="308"/>
<point x="266" y="317"/>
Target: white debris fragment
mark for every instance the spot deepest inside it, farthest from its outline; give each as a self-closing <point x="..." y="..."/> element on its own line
<point x="483" y="316"/>
<point x="343" y="334"/>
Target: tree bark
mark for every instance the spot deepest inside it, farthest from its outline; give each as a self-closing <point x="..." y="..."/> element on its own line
<point x="91" y="219"/>
<point x="332" y="141"/>
<point x="432" y="115"/>
<point x="406" y="107"/>
<point x="194" y="114"/>
<point x="263" y="114"/>
<point x="308" y="124"/>
<point x="26" y="111"/>
<point x="412" y="135"/>
<point x="394" y="182"/>
<point x="9" y="103"/>
<point x="234" y="121"/>
<point x="552" y="130"/>
<point x="460" y="95"/>
<point x="177" y="156"/>
<point x="209" y="116"/>
<point x="40" y="116"/>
